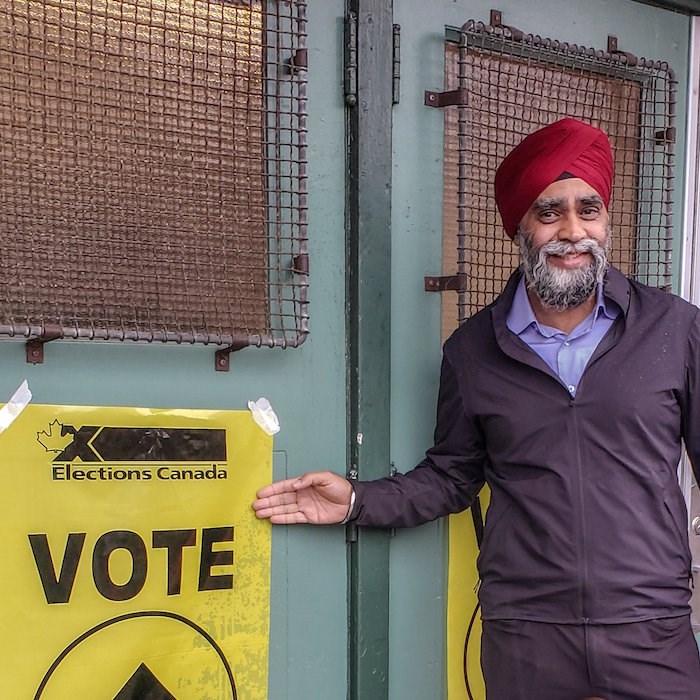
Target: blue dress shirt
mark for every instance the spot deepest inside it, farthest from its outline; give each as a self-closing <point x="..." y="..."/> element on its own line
<point x="566" y="354"/>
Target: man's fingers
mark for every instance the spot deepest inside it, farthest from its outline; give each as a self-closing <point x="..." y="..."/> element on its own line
<point x="315" y="479"/>
<point x="281" y="499"/>
<point x="283" y="514"/>
<point x="276" y="488"/>
<point x="293" y="485"/>
<point x="266" y="510"/>
<point x="297" y="518"/>
<point x="277" y="502"/>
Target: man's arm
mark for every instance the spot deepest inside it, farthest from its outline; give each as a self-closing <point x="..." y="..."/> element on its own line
<point x="446" y="481"/>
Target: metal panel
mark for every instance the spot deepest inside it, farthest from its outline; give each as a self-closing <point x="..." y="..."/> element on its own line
<point x="418" y="558"/>
<point x="631" y="99"/>
<point x="307" y="388"/>
<point x="153" y="179"/>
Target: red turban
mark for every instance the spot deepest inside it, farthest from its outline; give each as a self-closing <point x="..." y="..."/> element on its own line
<point x="567" y="146"/>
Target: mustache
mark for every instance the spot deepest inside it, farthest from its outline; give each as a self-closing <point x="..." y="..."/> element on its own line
<point x="560" y="248"/>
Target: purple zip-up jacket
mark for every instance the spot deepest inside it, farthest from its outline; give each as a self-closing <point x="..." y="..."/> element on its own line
<point x="587" y="522"/>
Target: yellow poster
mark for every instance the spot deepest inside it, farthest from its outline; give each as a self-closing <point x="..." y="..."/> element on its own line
<point x="132" y="564"/>
<point x="464" y="678"/>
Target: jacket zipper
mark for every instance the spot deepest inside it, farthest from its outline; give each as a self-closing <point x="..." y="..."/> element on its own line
<point x="582" y="544"/>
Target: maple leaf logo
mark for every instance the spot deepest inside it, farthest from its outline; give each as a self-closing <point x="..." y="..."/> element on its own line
<point x="53" y="439"/>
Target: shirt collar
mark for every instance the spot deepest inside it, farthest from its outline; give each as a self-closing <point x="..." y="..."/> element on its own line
<point x="521" y="316"/>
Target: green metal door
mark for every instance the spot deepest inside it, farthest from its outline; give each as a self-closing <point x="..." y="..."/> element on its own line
<point x="360" y="392"/>
<point x="418" y="559"/>
<point x="306" y="386"/>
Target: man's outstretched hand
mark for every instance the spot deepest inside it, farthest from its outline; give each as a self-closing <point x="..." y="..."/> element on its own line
<point x="320" y="498"/>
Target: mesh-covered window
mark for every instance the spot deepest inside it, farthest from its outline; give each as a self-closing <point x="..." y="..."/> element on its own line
<point x="152" y="170"/>
<point x="517" y="83"/>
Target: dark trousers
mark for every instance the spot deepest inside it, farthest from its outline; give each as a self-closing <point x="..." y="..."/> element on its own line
<point x="651" y="660"/>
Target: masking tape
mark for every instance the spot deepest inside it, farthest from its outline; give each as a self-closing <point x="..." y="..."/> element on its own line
<point x="264" y="416"/>
<point x="14" y="406"/>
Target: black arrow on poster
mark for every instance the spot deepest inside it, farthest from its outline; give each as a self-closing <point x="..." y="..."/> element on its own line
<point x="143" y="685"/>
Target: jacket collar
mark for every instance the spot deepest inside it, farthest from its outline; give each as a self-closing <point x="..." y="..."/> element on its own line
<point x="617" y="288"/>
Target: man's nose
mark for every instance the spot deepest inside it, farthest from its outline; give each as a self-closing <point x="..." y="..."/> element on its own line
<point x="572" y="228"/>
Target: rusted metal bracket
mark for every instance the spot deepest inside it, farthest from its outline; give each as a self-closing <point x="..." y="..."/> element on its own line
<point x="449" y="283"/>
<point x="34" y="347"/>
<point x="300" y="264"/>
<point x="630" y="58"/>
<point x="445" y="99"/>
<point x="665" y="136"/>
<point x="460" y="96"/>
<point x="496" y="20"/>
<point x="222" y="358"/>
<point x="298" y="61"/>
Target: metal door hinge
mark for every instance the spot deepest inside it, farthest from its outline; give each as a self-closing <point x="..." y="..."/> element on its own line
<point x="396" y="65"/>
<point x="456" y="283"/>
<point x="350" y="70"/>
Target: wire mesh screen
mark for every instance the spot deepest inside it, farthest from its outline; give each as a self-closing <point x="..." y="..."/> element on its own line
<point x="152" y="170"/>
<point x="515" y="84"/>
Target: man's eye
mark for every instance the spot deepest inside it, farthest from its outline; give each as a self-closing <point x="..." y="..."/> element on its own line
<point x="590" y="212"/>
<point x="547" y="215"/>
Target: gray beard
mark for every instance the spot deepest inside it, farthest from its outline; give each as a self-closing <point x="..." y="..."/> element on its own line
<point x="558" y="288"/>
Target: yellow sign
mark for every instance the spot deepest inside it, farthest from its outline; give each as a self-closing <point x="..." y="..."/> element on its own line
<point x="464" y="678"/>
<point x="133" y="565"/>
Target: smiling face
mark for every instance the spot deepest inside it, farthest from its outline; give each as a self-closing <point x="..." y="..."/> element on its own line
<point x="563" y="239"/>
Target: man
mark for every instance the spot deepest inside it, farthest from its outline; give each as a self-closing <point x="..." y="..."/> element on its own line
<point x="570" y="396"/>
